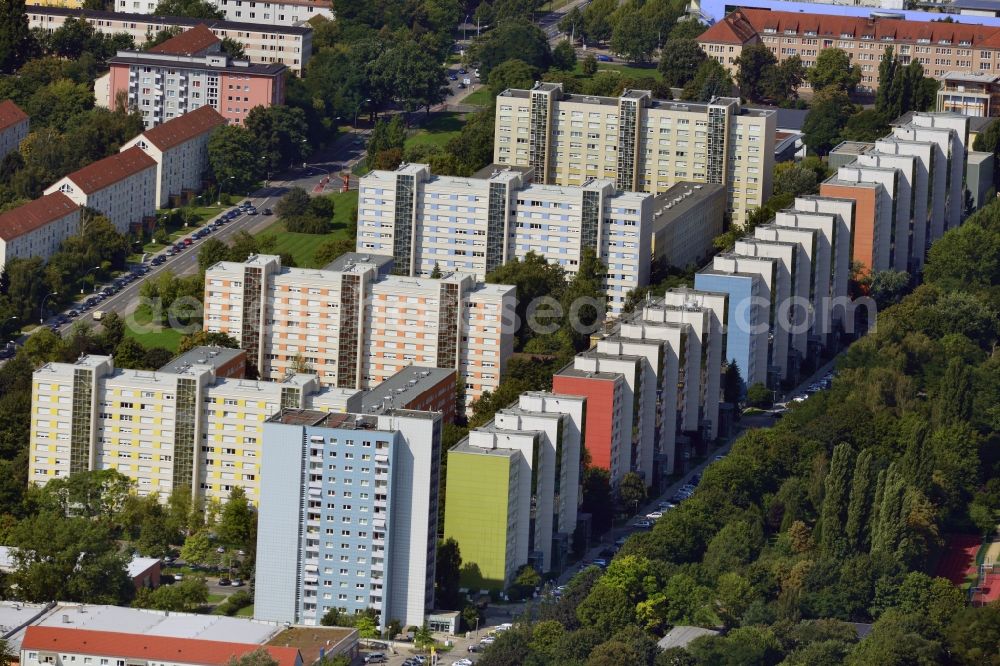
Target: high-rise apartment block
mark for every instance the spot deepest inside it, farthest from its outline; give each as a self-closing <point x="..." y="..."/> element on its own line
<point x="348" y="515"/>
<point x="474" y="225"/>
<point x="194" y="423"/>
<point x="746" y="318"/>
<point x="513" y="489"/>
<point x="355" y="328"/>
<point x="642" y="144"/>
<point x="924" y="159"/>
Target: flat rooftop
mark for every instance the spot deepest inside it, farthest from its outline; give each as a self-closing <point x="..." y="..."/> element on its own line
<point x="853" y="147"/>
<point x="493" y="170"/>
<point x="310" y="641"/>
<point x="408" y="382"/>
<point x="160" y="623"/>
<point x="974" y="77"/>
<point x="382" y="262"/>
<point x="663" y="104"/>
<point x="14" y="617"/>
<point x="317" y="419"/>
<point x="464" y="446"/>
<point x="196" y="62"/>
<point x="204" y="355"/>
<point x="589" y="374"/>
<point x="680" y="199"/>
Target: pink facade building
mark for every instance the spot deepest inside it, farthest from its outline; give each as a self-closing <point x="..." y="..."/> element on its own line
<point x="188" y="72"/>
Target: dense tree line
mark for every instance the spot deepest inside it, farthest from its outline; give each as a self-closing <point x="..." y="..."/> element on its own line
<point x="29" y="285"/>
<point x="832" y="516"/>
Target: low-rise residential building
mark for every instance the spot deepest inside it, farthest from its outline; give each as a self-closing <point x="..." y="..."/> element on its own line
<point x="355" y="328"/>
<point x="348" y="515"/>
<point x="686" y="219"/>
<point x="474" y="225"/>
<point x="61" y="646"/>
<point x="180" y="149"/>
<point x="263" y="44"/>
<point x="275" y="13"/>
<point x="72" y="4"/>
<point x="14" y="125"/>
<point x="63" y="633"/>
<point x="641" y="143"/>
<point x="941" y="47"/>
<point x="190" y="71"/>
<point x="122" y="187"/>
<point x="969" y="93"/>
<point x="38" y="228"/>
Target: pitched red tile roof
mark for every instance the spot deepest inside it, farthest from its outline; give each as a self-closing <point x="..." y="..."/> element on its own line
<point x="35" y="214"/>
<point x="743" y="24"/>
<point x="184" y="128"/>
<point x="110" y="170"/>
<point x="190" y="42"/>
<point x="10" y="114"/>
<point x="139" y="646"/>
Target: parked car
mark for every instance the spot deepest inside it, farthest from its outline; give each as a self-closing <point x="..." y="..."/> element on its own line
<point x="267" y="211"/>
<point x="654" y="515"/>
<point x="224" y="582"/>
<point x="246" y="204"/>
<point x="376" y="658"/>
<point x="453" y="76"/>
<point x="187" y="241"/>
<point x="251" y="211"/>
<point x="237" y="582"/>
<point x="604" y="58"/>
<point x="643" y="524"/>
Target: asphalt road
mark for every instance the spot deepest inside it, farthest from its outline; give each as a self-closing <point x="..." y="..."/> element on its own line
<point x="319" y="175"/>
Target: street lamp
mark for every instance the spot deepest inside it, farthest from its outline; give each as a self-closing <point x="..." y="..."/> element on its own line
<point x="41" y="312"/>
<point x="95" y="268"/>
<point x="367" y="101"/>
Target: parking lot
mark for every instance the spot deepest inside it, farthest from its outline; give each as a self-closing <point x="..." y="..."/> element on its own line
<point x="400" y="654"/>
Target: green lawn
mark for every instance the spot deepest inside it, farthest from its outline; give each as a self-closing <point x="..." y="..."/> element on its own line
<point x="438" y="130"/>
<point x="481" y="97"/>
<point x="633" y="71"/>
<point x="246" y="611"/>
<point x="303" y="247"/>
<point x="157" y="337"/>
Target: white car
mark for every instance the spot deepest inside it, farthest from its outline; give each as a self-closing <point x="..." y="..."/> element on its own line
<point x="462" y="662"/>
<point x="655" y="515"/>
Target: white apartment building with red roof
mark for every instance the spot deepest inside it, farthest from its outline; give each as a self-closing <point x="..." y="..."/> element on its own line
<point x="13" y="127"/>
<point x="37" y="228"/>
<point x="940" y="47"/>
<point x="284" y="12"/>
<point x="122" y="187"/>
<point x="180" y="149"/>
